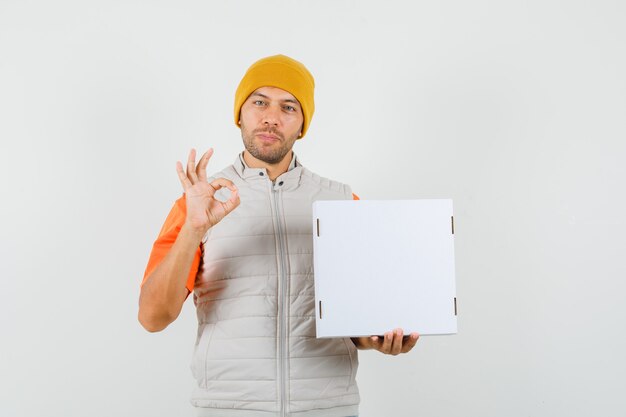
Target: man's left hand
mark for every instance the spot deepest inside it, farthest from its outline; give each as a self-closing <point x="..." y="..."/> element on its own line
<point x="391" y="343"/>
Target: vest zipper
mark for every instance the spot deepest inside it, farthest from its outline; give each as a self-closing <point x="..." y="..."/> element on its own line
<point x="283" y="300"/>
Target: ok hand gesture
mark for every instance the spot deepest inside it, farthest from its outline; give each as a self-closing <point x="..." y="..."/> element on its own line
<point x="203" y="209"/>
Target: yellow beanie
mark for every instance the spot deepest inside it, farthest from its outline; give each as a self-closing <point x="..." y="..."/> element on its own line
<point x="282" y="72"/>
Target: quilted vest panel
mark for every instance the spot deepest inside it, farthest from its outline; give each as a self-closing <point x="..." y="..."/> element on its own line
<point x="256" y="348"/>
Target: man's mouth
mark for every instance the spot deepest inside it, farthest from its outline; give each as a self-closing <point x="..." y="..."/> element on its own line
<point x="268" y="137"/>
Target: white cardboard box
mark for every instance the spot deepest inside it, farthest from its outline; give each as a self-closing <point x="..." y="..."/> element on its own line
<point x="381" y="265"/>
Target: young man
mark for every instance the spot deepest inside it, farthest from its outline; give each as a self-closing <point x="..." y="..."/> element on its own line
<point x="241" y="241"/>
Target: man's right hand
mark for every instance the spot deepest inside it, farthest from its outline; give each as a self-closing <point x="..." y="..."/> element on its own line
<point x="203" y="209"/>
<point x="164" y="291"/>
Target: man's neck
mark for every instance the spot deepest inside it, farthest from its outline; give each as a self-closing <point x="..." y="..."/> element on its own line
<point x="273" y="170"/>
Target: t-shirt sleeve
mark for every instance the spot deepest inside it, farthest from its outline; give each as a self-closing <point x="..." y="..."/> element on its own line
<point x="167" y="236"/>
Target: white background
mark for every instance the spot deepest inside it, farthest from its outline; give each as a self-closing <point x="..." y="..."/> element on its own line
<point x="514" y="109"/>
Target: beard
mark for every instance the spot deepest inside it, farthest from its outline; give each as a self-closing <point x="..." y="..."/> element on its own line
<point x="271" y="154"/>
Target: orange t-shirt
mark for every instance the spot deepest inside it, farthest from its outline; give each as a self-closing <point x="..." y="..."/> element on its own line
<point x="167" y="236"/>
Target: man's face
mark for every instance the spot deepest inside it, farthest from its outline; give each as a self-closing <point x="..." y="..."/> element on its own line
<point x="271" y="121"/>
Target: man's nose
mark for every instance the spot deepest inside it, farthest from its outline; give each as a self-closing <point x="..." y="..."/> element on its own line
<point x="271" y="116"/>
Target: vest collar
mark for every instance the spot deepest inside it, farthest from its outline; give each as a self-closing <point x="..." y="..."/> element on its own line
<point x="287" y="181"/>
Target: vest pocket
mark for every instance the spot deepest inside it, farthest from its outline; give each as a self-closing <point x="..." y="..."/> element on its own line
<point x="198" y="363"/>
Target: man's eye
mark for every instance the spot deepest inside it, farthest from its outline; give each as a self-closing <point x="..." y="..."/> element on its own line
<point x="290" y="108"/>
<point x="259" y="102"/>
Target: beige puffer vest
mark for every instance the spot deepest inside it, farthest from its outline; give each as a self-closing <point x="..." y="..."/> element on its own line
<point x="256" y="353"/>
